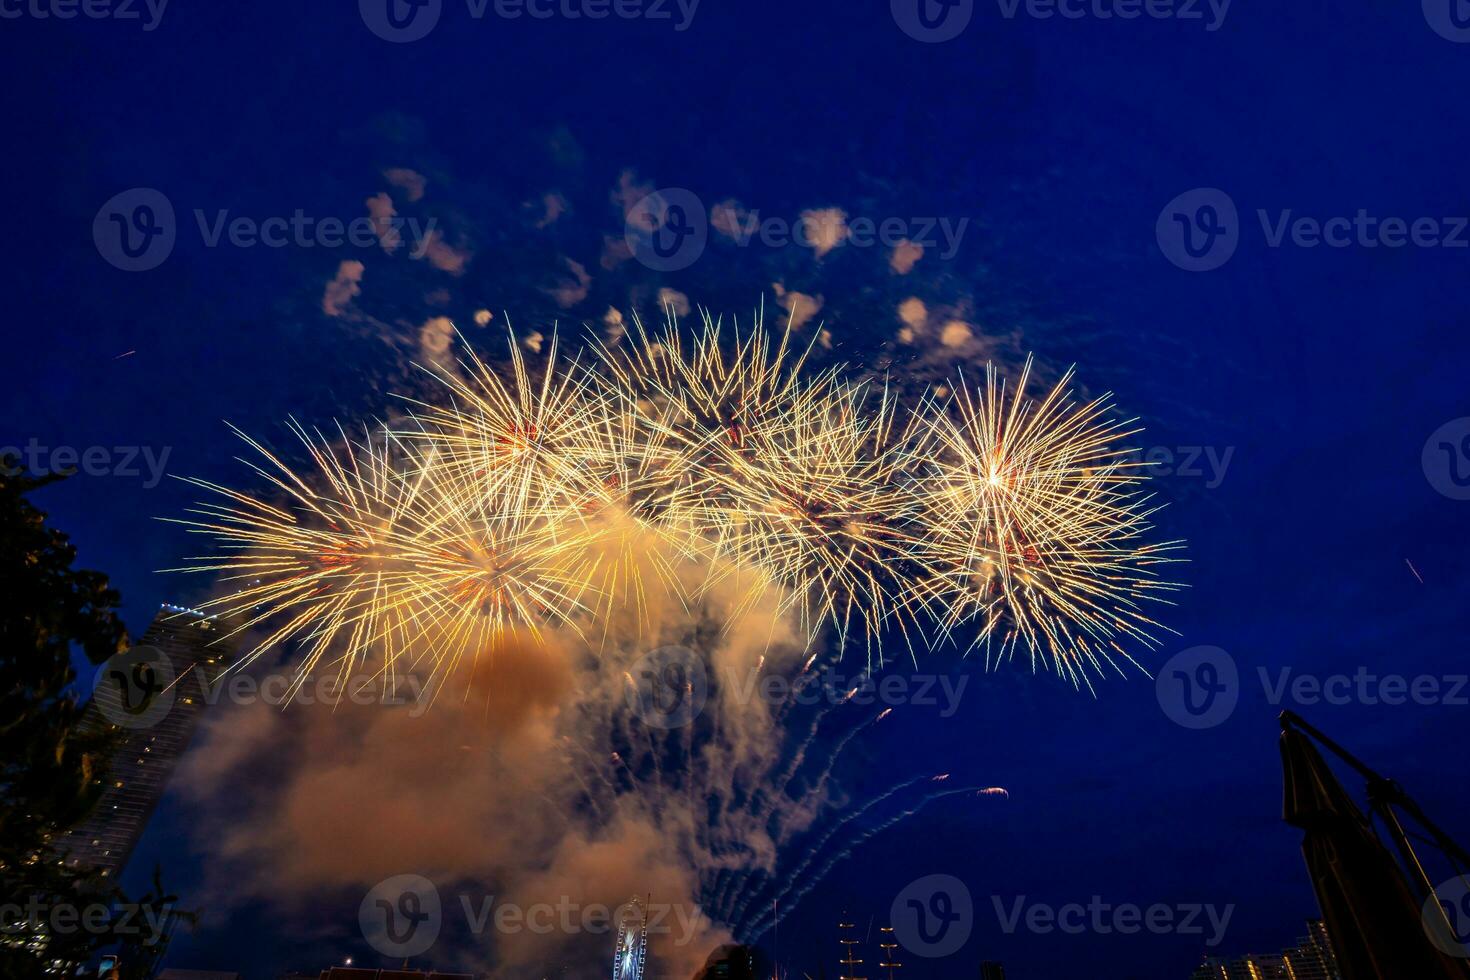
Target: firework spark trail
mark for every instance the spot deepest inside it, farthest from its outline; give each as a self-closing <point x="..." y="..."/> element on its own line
<point x="751" y="933"/>
<point x="791" y="879"/>
<point x="775" y="813"/>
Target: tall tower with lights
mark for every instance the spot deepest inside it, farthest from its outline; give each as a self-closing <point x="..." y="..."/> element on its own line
<point x="888" y="944"/>
<point x="151" y="698"/>
<point x="850" y="963"/>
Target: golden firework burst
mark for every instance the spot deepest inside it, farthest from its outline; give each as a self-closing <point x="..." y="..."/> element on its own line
<point x="1035" y="525"/>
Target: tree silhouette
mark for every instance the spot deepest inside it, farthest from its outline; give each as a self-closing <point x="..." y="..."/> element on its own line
<point x="51" y="772"/>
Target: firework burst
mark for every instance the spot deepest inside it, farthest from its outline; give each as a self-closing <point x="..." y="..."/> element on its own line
<point x="530" y="440"/>
<point x="576" y="492"/>
<point x="792" y="477"/>
<point x="385" y="556"/>
<point x="1035" y="527"/>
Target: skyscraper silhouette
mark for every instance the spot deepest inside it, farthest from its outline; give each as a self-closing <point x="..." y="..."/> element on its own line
<point x="151" y="698"/>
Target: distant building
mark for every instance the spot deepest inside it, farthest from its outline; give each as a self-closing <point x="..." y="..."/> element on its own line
<point x="1311" y="958"/>
<point x="990" y="970"/>
<point x="139" y="768"/>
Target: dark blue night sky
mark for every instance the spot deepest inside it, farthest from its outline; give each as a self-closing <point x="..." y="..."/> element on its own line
<point x="1322" y="370"/>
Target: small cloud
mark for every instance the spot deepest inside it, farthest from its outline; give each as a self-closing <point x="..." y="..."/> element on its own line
<point x="956" y="333"/>
<point x="905" y="254"/>
<point x="613" y="325"/>
<point x="341" y="290"/>
<point x="381" y="210"/>
<point x="615" y="251"/>
<point x="553" y="206"/>
<point x="411" y="182"/>
<point x="442" y="256"/>
<point x="733" y="221"/>
<point x="435" y="336"/>
<point x="824" y="229"/>
<point x="533" y="341"/>
<point x="824" y="337"/>
<point x="630" y="191"/>
<point x="799" y="307"/>
<point x="914" y="314"/>
<point x="483" y="318"/>
<point x="673" y="298"/>
<point x="570" y="292"/>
